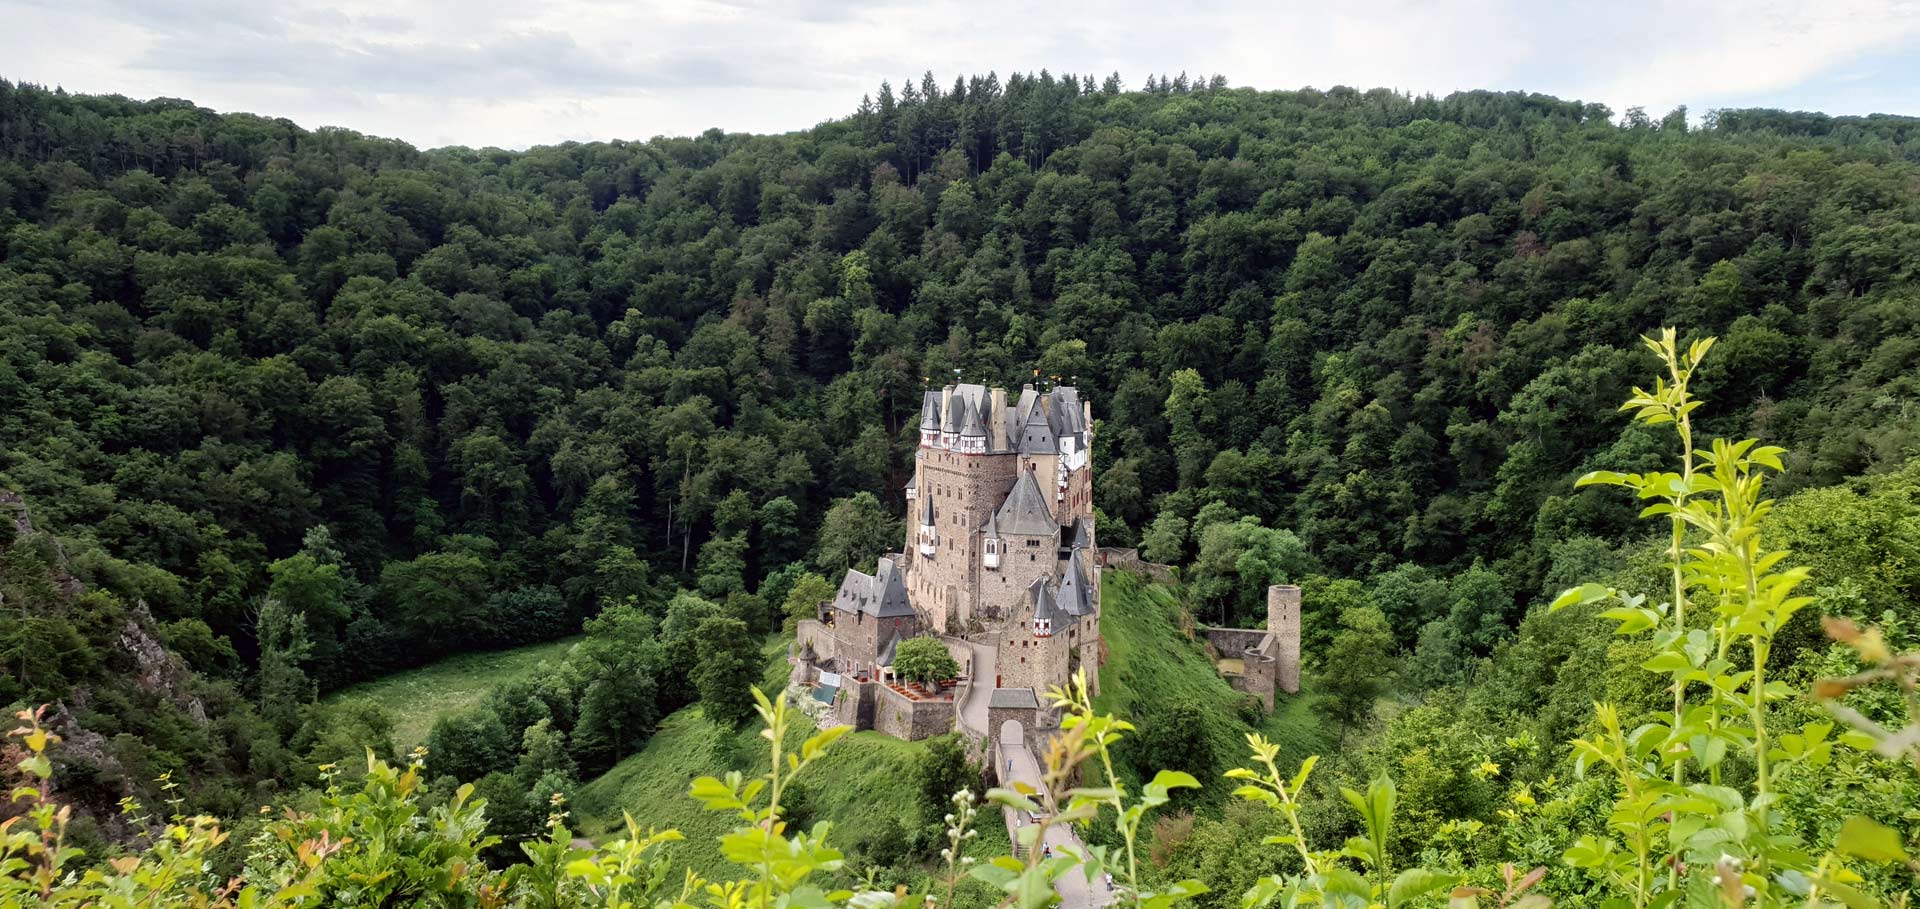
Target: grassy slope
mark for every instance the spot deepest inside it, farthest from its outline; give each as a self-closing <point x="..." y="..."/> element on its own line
<point x="1149" y="659"/>
<point x="417" y="697"/>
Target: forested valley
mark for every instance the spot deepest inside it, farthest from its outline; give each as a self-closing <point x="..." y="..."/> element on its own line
<point x="287" y="409"/>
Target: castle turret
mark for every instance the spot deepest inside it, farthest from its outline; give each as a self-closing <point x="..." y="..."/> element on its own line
<point x="991" y="545"/>
<point x="929" y="539"/>
<point x="930" y="418"/>
<point x="973" y="430"/>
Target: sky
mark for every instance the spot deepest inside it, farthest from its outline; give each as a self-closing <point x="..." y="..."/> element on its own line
<point x="515" y="73"/>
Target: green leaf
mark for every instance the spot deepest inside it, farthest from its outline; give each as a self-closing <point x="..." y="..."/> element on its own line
<point x="1667" y="661"/>
<point x="1300" y="777"/>
<point x="1155" y="793"/>
<point x="1414" y="883"/>
<point x="1585" y="593"/>
<point x="1866" y="838"/>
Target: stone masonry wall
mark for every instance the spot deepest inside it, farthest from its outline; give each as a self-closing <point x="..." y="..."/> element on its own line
<point x="1026" y="560"/>
<point x="904" y="718"/>
<point x="856" y="704"/>
<point x="966" y="490"/>
<point x="1026" y="661"/>
<point x="1257" y="676"/>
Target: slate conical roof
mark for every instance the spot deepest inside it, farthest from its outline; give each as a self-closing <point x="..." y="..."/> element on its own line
<point x="1036" y="436"/>
<point x="1075" y="597"/>
<point x="1025" y="512"/>
<point x="972" y="423"/>
<point x="1045" y="607"/>
<point x="956" y="408"/>
<point x="926" y="511"/>
<point x="930" y="411"/>
<point x="1083" y="532"/>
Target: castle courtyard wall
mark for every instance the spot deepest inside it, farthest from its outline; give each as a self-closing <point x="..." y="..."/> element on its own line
<point x="905" y="718"/>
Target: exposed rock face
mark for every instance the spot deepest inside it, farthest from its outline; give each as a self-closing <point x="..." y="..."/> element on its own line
<point x="14" y="508"/>
<point x="158" y="670"/>
<point x="22" y="522"/>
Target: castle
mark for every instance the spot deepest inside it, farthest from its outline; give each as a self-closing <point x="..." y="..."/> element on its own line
<point x="998" y="563"/>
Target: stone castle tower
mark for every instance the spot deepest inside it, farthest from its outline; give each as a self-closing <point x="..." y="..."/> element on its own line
<point x="999" y="559"/>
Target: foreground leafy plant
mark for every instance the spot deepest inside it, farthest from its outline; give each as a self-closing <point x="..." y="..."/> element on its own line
<point x="1084" y="737"/>
<point x="1675" y="829"/>
<point x="1323" y="880"/>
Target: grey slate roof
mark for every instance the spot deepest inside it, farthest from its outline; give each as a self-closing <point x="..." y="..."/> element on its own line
<point x="1083" y="532"/>
<point x="1024" y="407"/>
<point x="951" y="421"/>
<point x="926" y="511"/>
<point x="972" y="424"/>
<point x="882" y="594"/>
<point x="1046" y="608"/>
<point x="1036" y="435"/>
<point x="1025" y="512"/>
<point x="1017" y="698"/>
<point x="1063" y="411"/>
<point x="887" y="649"/>
<point x="930" y="410"/>
<point x="1075" y="596"/>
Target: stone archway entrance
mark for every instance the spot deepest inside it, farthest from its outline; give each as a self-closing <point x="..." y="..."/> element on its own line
<point x="1013" y="734"/>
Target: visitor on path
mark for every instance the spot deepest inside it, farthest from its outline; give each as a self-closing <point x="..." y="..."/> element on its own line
<point x="1109" y="882"/>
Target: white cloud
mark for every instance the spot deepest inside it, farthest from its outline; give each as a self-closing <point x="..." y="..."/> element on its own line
<point x="515" y="74"/>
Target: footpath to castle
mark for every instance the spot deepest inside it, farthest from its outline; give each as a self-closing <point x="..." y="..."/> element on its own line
<point x="1018" y="765"/>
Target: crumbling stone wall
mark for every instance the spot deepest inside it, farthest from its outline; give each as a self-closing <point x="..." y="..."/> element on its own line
<point x="1129" y="559"/>
<point x="1270" y="657"/>
<point x="1257" y="672"/>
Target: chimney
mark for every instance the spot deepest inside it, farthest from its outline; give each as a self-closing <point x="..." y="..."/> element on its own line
<point x="997" y="420"/>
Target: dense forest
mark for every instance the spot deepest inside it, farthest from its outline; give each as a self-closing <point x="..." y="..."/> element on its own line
<point x="302" y="407"/>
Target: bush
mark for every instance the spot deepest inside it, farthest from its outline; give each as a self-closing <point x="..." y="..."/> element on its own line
<point x="470" y="744"/>
<point x="527" y="615"/>
<point x="925" y="660"/>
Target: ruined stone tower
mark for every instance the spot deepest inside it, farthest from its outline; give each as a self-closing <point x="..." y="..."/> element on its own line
<point x="1283" y="627"/>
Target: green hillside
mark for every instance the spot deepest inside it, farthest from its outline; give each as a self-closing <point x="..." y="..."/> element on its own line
<point x="417" y="697"/>
<point x="1153" y="662"/>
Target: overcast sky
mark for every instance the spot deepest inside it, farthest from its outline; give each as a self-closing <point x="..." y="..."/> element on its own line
<point x="520" y="73"/>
